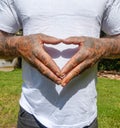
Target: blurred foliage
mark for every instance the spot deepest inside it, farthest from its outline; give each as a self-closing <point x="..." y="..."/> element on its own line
<point x="19" y="33"/>
<point x="109" y="64"/>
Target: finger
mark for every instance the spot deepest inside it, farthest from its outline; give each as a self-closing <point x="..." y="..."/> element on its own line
<point x="76" y="71"/>
<point x="46" y="71"/>
<point x="73" y="40"/>
<point x="49" y="39"/>
<point x="73" y="62"/>
<point x="45" y="58"/>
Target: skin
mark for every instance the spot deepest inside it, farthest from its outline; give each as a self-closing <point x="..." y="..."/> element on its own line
<point x="91" y="50"/>
<point x="31" y="49"/>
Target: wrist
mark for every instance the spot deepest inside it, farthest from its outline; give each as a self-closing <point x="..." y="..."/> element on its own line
<point x="111" y="47"/>
<point x="11" y="46"/>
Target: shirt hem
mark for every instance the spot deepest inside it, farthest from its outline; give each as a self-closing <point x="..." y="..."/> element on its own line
<point x="7" y="29"/>
<point x="51" y="125"/>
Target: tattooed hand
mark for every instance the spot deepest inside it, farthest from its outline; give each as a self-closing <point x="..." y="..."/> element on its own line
<point x="31" y="49"/>
<point x="90" y="51"/>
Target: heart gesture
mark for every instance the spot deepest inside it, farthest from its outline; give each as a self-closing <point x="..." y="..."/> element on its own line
<point x="32" y="50"/>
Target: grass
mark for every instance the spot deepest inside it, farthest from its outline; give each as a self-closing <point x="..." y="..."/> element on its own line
<point x="108" y="100"/>
<point x="10" y="88"/>
<point x="108" y="103"/>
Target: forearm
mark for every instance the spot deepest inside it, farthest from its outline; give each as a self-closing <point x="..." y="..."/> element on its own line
<point x="8" y="45"/>
<point x="112" y="47"/>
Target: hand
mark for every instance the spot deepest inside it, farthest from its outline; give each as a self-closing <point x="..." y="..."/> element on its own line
<point x="32" y="50"/>
<point x="90" y="51"/>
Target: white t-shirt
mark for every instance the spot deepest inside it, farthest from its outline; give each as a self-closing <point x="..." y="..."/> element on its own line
<point x="73" y="106"/>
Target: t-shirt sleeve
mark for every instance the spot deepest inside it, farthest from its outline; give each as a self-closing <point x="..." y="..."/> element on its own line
<point x="9" y="21"/>
<point x="111" y="19"/>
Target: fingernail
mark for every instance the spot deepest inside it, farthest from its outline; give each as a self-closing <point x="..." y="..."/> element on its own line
<point x="59" y="82"/>
<point x="63" y="84"/>
<point x="62" y="76"/>
<point x="58" y="74"/>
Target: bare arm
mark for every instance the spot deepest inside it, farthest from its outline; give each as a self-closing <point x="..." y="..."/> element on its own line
<point x="91" y="50"/>
<point x="3" y="46"/>
<point x="113" y="47"/>
<point x="32" y="50"/>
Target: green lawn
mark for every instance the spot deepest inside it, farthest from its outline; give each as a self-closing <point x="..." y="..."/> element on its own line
<point x="108" y="103"/>
<point x="108" y="100"/>
<point x="10" y="88"/>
